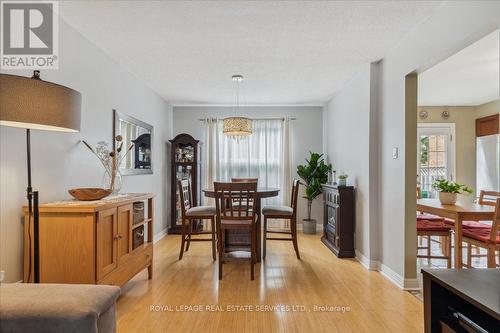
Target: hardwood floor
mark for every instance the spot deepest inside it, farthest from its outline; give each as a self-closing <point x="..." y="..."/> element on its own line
<point x="375" y="304"/>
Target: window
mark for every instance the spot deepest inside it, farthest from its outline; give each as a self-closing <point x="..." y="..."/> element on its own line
<point x="257" y="156"/>
<point x="435" y="158"/>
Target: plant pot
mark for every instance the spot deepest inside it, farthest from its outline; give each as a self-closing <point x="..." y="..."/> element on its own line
<point x="447" y="198"/>
<point x="342" y="182"/>
<point x="309" y="226"/>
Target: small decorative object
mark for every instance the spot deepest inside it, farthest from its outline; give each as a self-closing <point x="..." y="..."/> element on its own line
<point x="89" y="194"/>
<point x="445" y="114"/>
<point x="334" y="177"/>
<point x="314" y="173"/>
<point x="448" y="191"/>
<point x="330" y="174"/>
<point x="423" y="114"/>
<point x="111" y="161"/>
<point x="343" y="180"/>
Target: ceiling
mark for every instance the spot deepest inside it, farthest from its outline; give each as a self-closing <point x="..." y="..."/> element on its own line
<point x="293" y="52"/>
<point x="469" y="77"/>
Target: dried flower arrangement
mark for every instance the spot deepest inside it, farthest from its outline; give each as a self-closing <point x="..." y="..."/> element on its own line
<point x="110" y="159"/>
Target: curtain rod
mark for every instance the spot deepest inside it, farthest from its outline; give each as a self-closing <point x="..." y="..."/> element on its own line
<point x="204" y="119"/>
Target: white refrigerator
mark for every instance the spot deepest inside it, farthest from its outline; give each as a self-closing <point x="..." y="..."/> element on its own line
<point x="488" y="163"/>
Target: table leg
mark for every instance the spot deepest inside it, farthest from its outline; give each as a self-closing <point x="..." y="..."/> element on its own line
<point x="458" y="241"/>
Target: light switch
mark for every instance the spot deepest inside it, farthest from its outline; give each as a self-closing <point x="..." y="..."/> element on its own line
<point x="395" y="153"/>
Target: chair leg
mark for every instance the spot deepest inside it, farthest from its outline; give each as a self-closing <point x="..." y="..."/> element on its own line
<point x="190" y="230"/>
<point x="213" y="238"/>
<point x="448" y="249"/>
<point x="183" y="239"/>
<point x="491" y="258"/>
<point x="220" y="246"/>
<point x="469" y="255"/>
<point x="252" y="256"/>
<point x="264" y="239"/>
<point x="429" y="249"/>
<point x="293" y="228"/>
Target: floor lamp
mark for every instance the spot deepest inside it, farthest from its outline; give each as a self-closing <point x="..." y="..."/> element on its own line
<point x="31" y="103"/>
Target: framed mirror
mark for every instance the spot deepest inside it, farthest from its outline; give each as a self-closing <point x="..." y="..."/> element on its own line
<point x="140" y="135"/>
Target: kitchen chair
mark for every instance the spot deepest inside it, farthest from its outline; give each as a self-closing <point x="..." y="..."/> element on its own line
<point x="245" y="180"/>
<point x="488" y="239"/>
<point x="283" y="212"/>
<point x="485" y="198"/>
<point x="431" y="225"/>
<point x="238" y="216"/>
<point x="190" y="214"/>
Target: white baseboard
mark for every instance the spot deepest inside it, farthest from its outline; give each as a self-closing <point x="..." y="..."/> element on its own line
<point x="387" y="272"/>
<point x="159" y="235"/>
<point x="392" y="276"/>
<point x="371" y="265"/>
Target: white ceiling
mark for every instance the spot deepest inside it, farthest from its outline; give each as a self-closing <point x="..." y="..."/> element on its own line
<point x="469" y="77"/>
<point x="297" y="52"/>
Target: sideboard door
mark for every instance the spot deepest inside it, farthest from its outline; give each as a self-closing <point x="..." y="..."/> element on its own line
<point x="107" y="233"/>
<point x="124" y="232"/>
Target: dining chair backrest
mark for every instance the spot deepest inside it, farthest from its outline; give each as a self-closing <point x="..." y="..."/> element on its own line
<point x="185" y="195"/>
<point x="419" y="192"/>
<point x="245" y="180"/>
<point x="488" y="198"/>
<point x="233" y="200"/>
<point x="495" y="225"/>
<point x="295" y="196"/>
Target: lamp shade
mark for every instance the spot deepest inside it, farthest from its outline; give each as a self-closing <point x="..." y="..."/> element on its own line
<point x="237" y="126"/>
<point x="36" y="104"/>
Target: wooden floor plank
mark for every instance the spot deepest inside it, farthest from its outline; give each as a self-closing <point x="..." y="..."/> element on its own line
<point x="319" y="280"/>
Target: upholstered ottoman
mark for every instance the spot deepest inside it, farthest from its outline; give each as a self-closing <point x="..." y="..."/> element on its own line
<point x="64" y="308"/>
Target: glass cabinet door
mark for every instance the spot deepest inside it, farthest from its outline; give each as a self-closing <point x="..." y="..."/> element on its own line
<point x="183" y="172"/>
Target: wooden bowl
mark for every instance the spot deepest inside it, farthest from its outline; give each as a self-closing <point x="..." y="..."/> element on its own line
<point x="89" y="194"/>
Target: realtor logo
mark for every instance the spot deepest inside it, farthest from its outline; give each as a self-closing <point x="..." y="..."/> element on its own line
<point x="29" y="35"/>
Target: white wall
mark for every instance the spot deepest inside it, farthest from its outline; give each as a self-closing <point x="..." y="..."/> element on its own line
<point x="453" y="26"/>
<point x="305" y="133"/>
<point x="346" y="128"/>
<point x="59" y="161"/>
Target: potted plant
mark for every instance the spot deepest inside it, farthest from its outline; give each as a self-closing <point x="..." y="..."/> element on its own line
<point x="448" y="191"/>
<point x="343" y="180"/>
<point x="313" y="173"/>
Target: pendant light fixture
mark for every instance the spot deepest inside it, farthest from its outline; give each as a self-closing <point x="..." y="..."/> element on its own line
<point x="237" y="126"/>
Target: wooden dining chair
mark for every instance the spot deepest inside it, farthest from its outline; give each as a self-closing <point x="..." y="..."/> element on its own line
<point x="286" y="213"/>
<point x="245" y="180"/>
<point x="239" y="216"/>
<point x="429" y="226"/>
<point x="487" y="198"/>
<point x="488" y="239"/>
<point x="189" y="214"/>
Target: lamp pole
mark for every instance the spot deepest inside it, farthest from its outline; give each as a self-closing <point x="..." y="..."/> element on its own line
<point x="33" y="212"/>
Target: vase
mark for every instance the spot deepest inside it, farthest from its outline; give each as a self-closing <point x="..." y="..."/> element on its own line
<point x="342" y="182"/>
<point x="309" y="226"/>
<point x="447" y="198"/>
<point x="115" y="186"/>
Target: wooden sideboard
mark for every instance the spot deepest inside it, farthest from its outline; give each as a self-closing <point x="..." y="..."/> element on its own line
<point x="338" y="224"/>
<point x="91" y="242"/>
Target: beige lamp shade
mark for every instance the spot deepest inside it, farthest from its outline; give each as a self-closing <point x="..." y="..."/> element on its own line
<point x="237" y="126"/>
<point x="36" y="104"/>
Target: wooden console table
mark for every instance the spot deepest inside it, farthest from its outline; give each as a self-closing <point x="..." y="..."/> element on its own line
<point x="91" y="242"/>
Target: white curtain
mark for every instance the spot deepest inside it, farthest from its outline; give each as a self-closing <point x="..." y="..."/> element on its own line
<point x="264" y="155"/>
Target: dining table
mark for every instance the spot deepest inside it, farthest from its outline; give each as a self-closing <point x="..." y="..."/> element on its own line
<point x="459" y="212"/>
<point x="242" y="237"/>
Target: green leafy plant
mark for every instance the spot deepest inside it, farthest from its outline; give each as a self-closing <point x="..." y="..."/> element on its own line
<point x="313" y="173"/>
<point x="343" y="176"/>
<point x="443" y="185"/>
